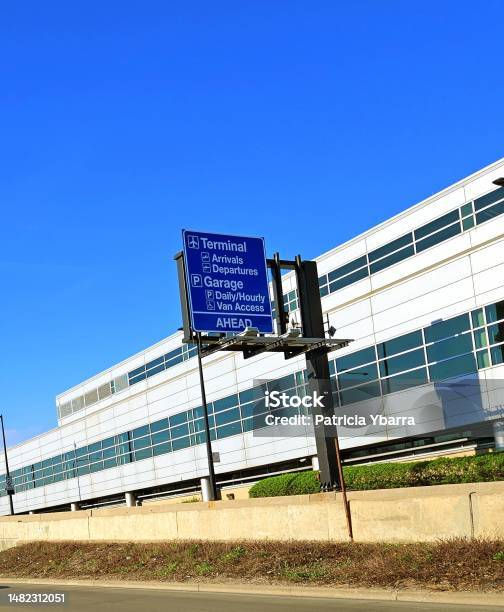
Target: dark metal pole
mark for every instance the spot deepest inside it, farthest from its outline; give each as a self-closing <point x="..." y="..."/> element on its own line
<point x="211" y="472"/>
<point x="8" y="481"/>
<point x="317" y="368"/>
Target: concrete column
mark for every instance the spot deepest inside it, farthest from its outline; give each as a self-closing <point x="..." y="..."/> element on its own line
<point x="74" y="506"/>
<point x="130" y="499"/>
<point x="315" y="464"/>
<point x="498" y="430"/>
<point x="205" y="489"/>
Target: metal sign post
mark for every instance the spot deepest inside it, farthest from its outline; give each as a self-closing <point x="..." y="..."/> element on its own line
<point x="8" y="480"/>
<point x="210" y="455"/>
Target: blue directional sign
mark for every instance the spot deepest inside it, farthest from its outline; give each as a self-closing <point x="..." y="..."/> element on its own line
<point x="227" y="282"/>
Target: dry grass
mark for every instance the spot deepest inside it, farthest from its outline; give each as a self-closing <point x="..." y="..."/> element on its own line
<point x="446" y="565"/>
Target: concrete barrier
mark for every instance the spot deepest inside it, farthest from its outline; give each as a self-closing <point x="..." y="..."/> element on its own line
<point x="392" y="515"/>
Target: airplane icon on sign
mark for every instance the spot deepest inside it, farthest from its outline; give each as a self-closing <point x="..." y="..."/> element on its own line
<point x="193" y="242"/>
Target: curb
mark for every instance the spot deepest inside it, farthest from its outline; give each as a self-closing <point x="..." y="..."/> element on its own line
<point x="446" y="597"/>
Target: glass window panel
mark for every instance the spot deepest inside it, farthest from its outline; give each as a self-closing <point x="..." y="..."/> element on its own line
<point x="490" y="213"/>
<point x="228" y="416"/>
<point x="161" y="449"/>
<point x="477" y="317"/>
<point x="175" y="353"/>
<point x="108" y="442"/>
<point x="497" y="353"/>
<point x="192" y="350"/>
<point x="359" y="394"/>
<point x="78" y="403"/>
<point x="467" y="223"/>
<point x="173" y="357"/>
<point x="358" y="376"/>
<point x="198" y="413"/>
<point x="349" y="267"/>
<point x="322" y="280"/>
<point x="437" y="224"/>
<point x="348" y="280"/>
<point x="489" y="198"/>
<point x="143" y="454"/>
<point x="496" y="333"/>
<point x="178" y="419"/>
<point x="134" y="380"/>
<point x="198" y="438"/>
<point x="225" y="402"/>
<point x="199" y="425"/>
<point x="400" y="344"/>
<point x="156" y="370"/>
<point x="354" y="359"/>
<point x="154" y="363"/>
<point x="445" y="329"/>
<point x="95" y="457"/>
<point x="408" y="361"/>
<point x="282" y="384"/>
<point x="250" y="395"/>
<point x="96" y="467"/>
<point x="181" y="443"/>
<point x="449" y="348"/>
<point x="495" y="312"/>
<point x="136" y="371"/>
<point x="104" y="391"/>
<point x="141" y="443"/>
<point x="109" y="463"/>
<point x="123" y="437"/>
<point x="161" y="436"/>
<point x="248" y="410"/>
<point x="480" y="338"/>
<point x="122" y="459"/>
<point x="466" y="209"/>
<point x="159" y="425"/>
<point x="91" y="397"/>
<point x="180" y="430"/>
<point x="124" y="450"/>
<point x="438" y="237"/>
<point x="80" y="452"/>
<point x="229" y="430"/>
<point x="324" y="291"/>
<point x="483" y="359"/>
<point x="465" y="364"/>
<point x="120" y="383"/>
<point x="94" y="447"/>
<point x="82" y="470"/>
<point x="390" y="247"/>
<point x="109" y="452"/>
<point x="140" y="431"/>
<point x="391" y="259"/>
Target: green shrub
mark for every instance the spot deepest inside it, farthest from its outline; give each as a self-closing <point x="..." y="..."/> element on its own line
<point x="481" y="468"/>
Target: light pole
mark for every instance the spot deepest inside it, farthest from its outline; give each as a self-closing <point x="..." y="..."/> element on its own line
<point x="8" y="481"/>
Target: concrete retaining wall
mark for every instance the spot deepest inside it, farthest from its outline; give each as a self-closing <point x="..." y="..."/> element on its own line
<point x="394" y="515"/>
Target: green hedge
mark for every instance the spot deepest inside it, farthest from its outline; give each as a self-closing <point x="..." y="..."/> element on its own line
<point x="481" y="468"/>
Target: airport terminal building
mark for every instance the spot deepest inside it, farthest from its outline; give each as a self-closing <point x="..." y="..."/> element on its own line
<point x="422" y="298"/>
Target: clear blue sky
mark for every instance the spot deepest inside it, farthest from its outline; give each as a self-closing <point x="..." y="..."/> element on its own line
<point x="122" y="122"/>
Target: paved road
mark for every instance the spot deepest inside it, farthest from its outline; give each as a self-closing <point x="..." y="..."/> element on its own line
<point x="86" y="599"/>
